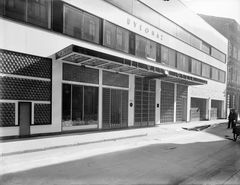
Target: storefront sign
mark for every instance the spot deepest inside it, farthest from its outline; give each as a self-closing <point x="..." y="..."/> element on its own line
<point x="144" y="29"/>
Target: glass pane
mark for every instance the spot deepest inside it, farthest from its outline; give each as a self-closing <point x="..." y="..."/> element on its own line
<point x="72" y="21"/>
<point x="91" y="28"/>
<point x="77" y="105"/>
<point x="109" y="35"/>
<point x="116" y="106"/>
<point x="183" y="62"/>
<point x="106" y="107"/>
<point x="205" y="70"/>
<point x="90" y="105"/>
<point x="196" y="67"/>
<point x="16" y="9"/>
<point x="39" y="12"/>
<point x="205" y="48"/>
<point x="195" y="42"/>
<point x="66" y="102"/>
<point x="179" y="61"/>
<point x="164" y="55"/>
<point x="1" y="7"/>
<point x="217" y="54"/>
<point x="214" y="73"/>
<point x="122" y="39"/>
<point x="172" y="57"/>
<point x="141" y="44"/>
<point x="151" y="50"/>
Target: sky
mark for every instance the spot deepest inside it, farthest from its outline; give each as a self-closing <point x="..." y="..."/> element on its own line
<point x="219" y="8"/>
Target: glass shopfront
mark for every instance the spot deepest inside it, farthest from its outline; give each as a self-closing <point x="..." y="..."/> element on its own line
<point x="80" y="105"/>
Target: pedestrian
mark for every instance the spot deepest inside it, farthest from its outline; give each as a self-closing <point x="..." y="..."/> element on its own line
<point x="232" y="118"/>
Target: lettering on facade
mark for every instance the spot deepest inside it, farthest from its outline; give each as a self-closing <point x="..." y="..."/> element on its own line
<point x="144" y="29"/>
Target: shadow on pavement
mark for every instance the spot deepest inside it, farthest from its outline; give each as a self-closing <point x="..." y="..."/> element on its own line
<point x="169" y="163"/>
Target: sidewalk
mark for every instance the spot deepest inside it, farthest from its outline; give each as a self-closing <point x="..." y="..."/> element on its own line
<point x="16" y="146"/>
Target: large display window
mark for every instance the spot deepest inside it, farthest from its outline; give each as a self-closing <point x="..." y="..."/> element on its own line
<point x="79" y="105"/>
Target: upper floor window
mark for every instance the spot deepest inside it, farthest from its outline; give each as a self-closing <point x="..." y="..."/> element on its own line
<point x="196" y="67"/>
<point x="115" y="37"/>
<point x="168" y="56"/>
<point x="15" y="9"/>
<point x="1" y="7"/>
<point x="145" y="48"/>
<point x="195" y="42"/>
<point x="183" y="62"/>
<point x="214" y="73"/>
<point x="80" y="24"/>
<point x="122" y="39"/>
<point x="90" y="28"/>
<point x="72" y="22"/>
<point x="205" y="70"/>
<point x="205" y="48"/>
<point x="221" y="76"/>
<point x="217" y="54"/>
<point x="39" y="12"/>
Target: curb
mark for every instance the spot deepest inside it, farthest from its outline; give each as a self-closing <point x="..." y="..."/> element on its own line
<point x="71" y="145"/>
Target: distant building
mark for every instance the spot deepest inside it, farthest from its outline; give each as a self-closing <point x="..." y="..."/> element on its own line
<point x="231" y="30"/>
<point x="107" y="64"/>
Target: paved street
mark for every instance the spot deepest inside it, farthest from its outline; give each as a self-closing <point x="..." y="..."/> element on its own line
<point x="186" y="157"/>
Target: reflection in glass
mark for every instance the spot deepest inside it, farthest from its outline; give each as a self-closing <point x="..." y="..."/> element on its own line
<point x="66" y="102"/>
<point x="38" y="12"/>
<point x="72" y="21"/>
<point x="90" y="104"/>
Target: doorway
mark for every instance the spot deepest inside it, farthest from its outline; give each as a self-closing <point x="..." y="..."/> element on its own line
<point x="24" y="118"/>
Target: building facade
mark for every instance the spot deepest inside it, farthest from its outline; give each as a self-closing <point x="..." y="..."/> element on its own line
<point x="107" y="64"/>
<point x="231" y="30"/>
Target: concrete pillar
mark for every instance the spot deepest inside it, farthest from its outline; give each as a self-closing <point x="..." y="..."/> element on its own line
<point x="208" y="108"/>
<point x="100" y="91"/>
<point x="188" y="103"/>
<point x="131" y="100"/>
<point x="56" y="96"/>
<point x="157" y="101"/>
<point x="175" y="103"/>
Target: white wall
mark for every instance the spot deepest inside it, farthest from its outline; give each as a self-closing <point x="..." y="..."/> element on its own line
<point x="179" y="13"/>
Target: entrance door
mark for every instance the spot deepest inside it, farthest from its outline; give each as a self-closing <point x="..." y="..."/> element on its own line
<point x="24" y="116"/>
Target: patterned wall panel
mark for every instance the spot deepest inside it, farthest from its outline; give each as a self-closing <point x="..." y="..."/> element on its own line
<point x="24" y="89"/>
<point x="181" y="114"/>
<point x="42" y="114"/>
<point x="80" y="74"/>
<point x="167" y="102"/>
<point x="26" y="65"/>
<point x="7" y="114"/>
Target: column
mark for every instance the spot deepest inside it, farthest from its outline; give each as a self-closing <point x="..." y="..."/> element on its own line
<point x="158" y="98"/>
<point x="56" y="96"/>
<point x="208" y="108"/>
<point x="100" y="90"/>
<point x="188" y="104"/>
<point x="131" y="105"/>
<point x="175" y="103"/>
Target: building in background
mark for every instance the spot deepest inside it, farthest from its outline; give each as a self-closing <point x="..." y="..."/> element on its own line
<point x="231" y="30"/>
<point x="106" y="64"/>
